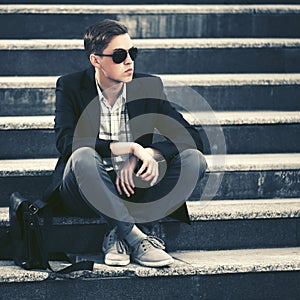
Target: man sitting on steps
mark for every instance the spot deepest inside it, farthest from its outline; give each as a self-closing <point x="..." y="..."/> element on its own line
<point x="111" y="162"/>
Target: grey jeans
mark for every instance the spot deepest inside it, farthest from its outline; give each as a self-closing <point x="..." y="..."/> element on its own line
<point x="88" y="190"/>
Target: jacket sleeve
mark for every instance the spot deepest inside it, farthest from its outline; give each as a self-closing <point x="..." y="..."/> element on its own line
<point x="67" y="114"/>
<point x="179" y="134"/>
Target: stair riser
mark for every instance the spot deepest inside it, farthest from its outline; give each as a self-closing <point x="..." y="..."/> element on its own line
<point x="245" y="97"/>
<point x="234" y="185"/>
<point x="27" y="102"/>
<point x="164" y="61"/>
<point x="232" y="234"/>
<point x="252" y="185"/>
<point x="239" y="139"/>
<point x="72" y="26"/>
<point x="39" y="101"/>
<point x="211" y="235"/>
<point x="257" y="285"/>
<point x="243" y="139"/>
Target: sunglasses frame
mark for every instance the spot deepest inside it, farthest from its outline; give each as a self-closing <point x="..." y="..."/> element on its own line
<point x="118" y="52"/>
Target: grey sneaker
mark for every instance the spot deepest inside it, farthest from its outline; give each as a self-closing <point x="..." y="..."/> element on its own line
<point x="150" y="253"/>
<point x="115" y="250"/>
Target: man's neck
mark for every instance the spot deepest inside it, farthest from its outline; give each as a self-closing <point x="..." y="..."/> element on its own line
<point x="110" y="90"/>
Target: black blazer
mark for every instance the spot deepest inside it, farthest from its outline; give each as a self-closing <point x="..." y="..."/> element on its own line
<point x="148" y="109"/>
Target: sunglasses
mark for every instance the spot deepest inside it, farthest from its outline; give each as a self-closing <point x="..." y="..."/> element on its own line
<point x="120" y="55"/>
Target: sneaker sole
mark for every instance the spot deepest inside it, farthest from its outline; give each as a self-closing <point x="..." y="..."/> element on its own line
<point x="116" y="263"/>
<point x="156" y="263"/>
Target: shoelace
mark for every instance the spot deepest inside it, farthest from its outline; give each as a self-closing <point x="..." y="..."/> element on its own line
<point x="122" y="246"/>
<point x="155" y="241"/>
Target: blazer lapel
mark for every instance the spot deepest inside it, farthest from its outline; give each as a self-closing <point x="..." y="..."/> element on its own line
<point x="88" y="88"/>
<point x="135" y="103"/>
<point x="90" y="102"/>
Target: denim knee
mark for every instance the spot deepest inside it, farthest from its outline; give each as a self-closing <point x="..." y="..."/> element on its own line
<point x="85" y="158"/>
<point x="195" y="160"/>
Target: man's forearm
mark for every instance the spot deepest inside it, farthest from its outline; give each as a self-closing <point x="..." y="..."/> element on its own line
<point x="121" y="148"/>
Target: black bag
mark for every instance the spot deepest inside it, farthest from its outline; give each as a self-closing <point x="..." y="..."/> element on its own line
<point x="28" y="223"/>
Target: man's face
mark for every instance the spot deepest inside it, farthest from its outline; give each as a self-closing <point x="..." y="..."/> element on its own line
<point x="114" y="72"/>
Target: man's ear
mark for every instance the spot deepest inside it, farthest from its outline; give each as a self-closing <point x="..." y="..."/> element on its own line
<point x="95" y="61"/>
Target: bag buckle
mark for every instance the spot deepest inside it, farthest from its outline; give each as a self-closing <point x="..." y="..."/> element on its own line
<point x="33" y="209"/>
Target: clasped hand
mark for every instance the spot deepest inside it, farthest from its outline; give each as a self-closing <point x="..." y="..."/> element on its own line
<point x="148" y="171"/>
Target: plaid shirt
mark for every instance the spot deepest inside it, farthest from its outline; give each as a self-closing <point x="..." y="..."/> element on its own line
<point x="114" y="125"/>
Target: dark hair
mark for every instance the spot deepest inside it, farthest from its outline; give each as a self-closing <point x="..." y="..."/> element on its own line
<point x="99" y="35"/>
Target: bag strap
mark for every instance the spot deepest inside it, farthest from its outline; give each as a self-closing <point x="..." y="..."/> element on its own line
<point x="78" y="266"/>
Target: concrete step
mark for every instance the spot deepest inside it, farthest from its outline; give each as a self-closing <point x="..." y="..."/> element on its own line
<point x="56" y="57"/>
<point x="222" y="132"/>
<point x="152" y="2"/>
<point x="231" y="92"/>
<point x="232" y="176"/>
<point x="148" y="21"/>
<point x="224" y="224"/>
<point x="233" y="274"/>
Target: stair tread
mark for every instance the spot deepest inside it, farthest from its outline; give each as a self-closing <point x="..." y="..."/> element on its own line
<point x="164" y="43"/>
<point x="187" y="263"/>
<point x="216" y="163"/>
<point x="229" y="79"/>
<point x="194" y="117"/>
<point x="170" y="80"/>
<point x="215" y="210"/>
<point x="146" y="9"/>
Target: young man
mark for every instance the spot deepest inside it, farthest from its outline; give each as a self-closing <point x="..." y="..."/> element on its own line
<point x="109" y="163"/>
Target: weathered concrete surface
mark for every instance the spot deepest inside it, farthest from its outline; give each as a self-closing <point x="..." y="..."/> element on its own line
<point x="239" y="132"/>
<point x="194" y="117"/>
<point x="253" y="162"/>
<point x="150" y="2"/>
<point x="254" y="260"/>
<point x="191" y="43"/>
<point x="215" y="225"/>
<point x="207" y="211"/>
<point x="11" y="273"/>
<point x="216" y="163"/>
<point x="234" y="185"/>
<point x="201" y="56"/>
<point x="174" y="80"/>
<point x="34" y="95"/>
<point x="238" y="274"/>
<point x="230" y="177"/>
<point x="244" y="209"/>
<point x="187" y="263"/>
<point x="230" y="286"/>
<point x="146" y="9"/>
<point x="241" y="139"/>
<point x="148" y="21"/>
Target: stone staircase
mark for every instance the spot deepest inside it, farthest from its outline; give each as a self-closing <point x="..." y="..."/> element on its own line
<point x="243" y="59"/>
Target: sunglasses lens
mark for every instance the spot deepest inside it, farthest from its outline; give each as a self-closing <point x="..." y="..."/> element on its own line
<point x="119" y="56"/>
<point x="133" y="53"/>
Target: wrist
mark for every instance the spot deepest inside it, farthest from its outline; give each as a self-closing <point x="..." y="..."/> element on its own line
<point x="132" y="147"/>
<point x="154" y="153"/>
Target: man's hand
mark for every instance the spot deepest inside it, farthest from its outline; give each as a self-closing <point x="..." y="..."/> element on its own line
<point x="148" y="171"/>
<point x="124" y="179"/>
